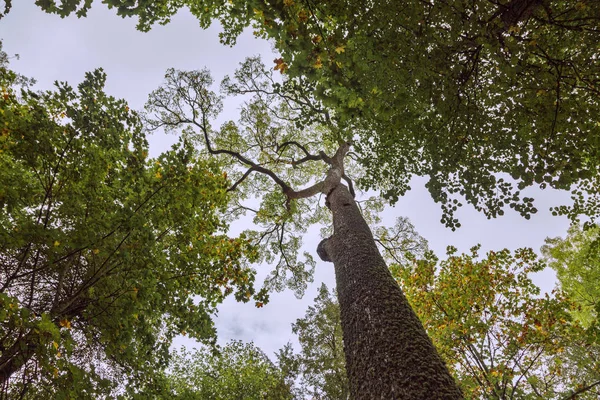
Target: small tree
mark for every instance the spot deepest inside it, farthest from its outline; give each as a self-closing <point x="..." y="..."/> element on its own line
<point x="237" y="371"/>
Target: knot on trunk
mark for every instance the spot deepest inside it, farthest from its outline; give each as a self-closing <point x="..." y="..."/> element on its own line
<point x="322" y="250"/>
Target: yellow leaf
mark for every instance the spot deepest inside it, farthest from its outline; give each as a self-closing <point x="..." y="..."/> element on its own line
<point x="340" y="49"/>
<point x="158" y="175"/>
<point x="280" y="65"/>
<point x="65" y="323"/>
<point x="302" y="16"/>
<point x="288" y="3"/>
<point x="95" y="251"/>
<point x="318" y="64"/>
<point x="56" y="243"/>
<point x="55" y="373"/>
<point x="55" y="345"/>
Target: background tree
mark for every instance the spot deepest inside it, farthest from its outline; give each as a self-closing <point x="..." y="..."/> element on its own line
<point x="320" y="364"/>
<point x="236" y="371"/>
<point x="501" y="339"/>
<point x="105" y="254"/>
<point x="466" y="93"/>
<point x="576" y="260"/>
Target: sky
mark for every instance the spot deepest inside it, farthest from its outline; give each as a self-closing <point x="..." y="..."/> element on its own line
<point x="52" y="48"/>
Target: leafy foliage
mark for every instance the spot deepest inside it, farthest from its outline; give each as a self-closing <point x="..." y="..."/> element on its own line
<point x="499" y="337"/>
<point x="576" y="260"/>
<point x="237" y="371"/>
<point x="466" y="93"/>
<point x="105" y="255"/>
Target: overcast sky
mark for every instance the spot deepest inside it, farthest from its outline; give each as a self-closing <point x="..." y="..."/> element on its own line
<point x="52" y="48"/>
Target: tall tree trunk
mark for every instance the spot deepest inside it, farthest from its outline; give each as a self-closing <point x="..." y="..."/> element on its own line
<point x="388" y="353"/>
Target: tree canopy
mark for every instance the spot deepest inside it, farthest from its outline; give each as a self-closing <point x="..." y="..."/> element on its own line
<point x="266" y="146"/>
<point x="105" y="254"/>
<point x="576" y="260"/>
<point x="477" y="96"/>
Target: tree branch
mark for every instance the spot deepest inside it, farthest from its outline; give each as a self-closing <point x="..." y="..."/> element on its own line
<point x="239" y="181"/>
<point x="350" y="185"/>
<point x="574" y="395"/>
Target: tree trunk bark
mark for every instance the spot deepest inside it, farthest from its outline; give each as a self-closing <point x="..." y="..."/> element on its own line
<point x="388" y="353"/>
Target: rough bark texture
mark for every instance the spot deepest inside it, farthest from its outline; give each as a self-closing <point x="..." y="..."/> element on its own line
<point x="388" y="352"/>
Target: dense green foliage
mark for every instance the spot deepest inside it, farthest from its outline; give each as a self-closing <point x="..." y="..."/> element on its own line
<point x="237" y="371"/>
<point x="466" y="93"/>
<point x="105" y="255"/>
<point x="576" y="260"/>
